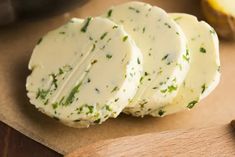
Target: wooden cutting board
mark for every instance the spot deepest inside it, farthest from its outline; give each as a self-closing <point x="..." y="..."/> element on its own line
<point x="16" y="44"/>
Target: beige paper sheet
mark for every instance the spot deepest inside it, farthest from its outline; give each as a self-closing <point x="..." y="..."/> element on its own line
<point x="16" y="44"/>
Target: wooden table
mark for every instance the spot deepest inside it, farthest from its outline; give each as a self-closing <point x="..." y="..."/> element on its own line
<point x="15" y="144"/>
<point x="16" y="44"/>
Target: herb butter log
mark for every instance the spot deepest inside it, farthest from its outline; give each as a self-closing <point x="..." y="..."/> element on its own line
<point x="82" y="75"/>
<point x="204" y="72"/>
<point x="163" y="46"/>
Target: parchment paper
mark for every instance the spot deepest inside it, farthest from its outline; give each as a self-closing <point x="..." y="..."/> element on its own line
<point x="16" y="44"/>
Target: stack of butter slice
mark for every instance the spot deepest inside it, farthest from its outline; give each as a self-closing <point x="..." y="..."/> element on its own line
<point x="141" y="61"/>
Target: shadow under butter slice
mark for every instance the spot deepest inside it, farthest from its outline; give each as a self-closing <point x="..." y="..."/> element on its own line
<point x="84" y="72"/>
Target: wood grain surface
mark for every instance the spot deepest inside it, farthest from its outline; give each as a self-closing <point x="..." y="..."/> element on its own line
<point x="15" y="144"/>
<point x="16" y="45"/>
<point x="210" y="142"/>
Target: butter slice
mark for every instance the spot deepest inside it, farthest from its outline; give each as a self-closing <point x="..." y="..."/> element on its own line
<point x="163" y="46"/>
<point x="84" y="72"/>
<point x="204" y="72"/>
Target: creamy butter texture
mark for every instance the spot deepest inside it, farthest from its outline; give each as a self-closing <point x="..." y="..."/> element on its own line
<point x="82" y="76"/>
<point x="135" y="58"/>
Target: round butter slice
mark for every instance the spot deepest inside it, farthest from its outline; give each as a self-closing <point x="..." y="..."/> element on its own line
<point x="84" y="72"/>
<point x="163" y="46"/>
<point x="204" y="72"/>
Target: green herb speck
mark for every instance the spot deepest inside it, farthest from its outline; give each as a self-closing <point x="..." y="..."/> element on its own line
<point x="114" y="27"/>
<point x="114" y="89"/>
<point x="161" y="112"/>
<point x="192" y="104"/>
<point x="202" y="50"/>
<point x="203" y="88"/>
<point x="110" y="13"/>
<point x="165" y="57"/>
<point x="134" y="9"/>
<point x="41" y="93"/>
<point x="143" y="30"/>
<point x="109" y="56"/>
<point x="177" y="18"/>
<point x="61" y="32"/>
<point x="97" y="121"/>
<point x="93" y="47"/>
<point x="97" y="90"/>
<point x="166" y="24"/>
<point x="90" y="108"/>
<point x="138" y="60"/>
<point x="93" y="62"/>
<point x="54" y="105"/>
<point x="84" y="28"/>
<point x="71" y="96"/>
<point x="124" y="38"/>
<point x="39" y="41"/>
<point x="172" y="88"/>
<point x="103" y="36"/>
<point x="116" y="100"/>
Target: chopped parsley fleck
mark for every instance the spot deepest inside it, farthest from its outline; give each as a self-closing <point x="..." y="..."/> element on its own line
<point x="186" y="58"/>
<point x="203" y="88"/>
<point x="138" y="60"/>
<point x="114" y="27"/>
<point x="61" y="100"/>
<point x="219" y="69"/>
<point x="97" y="121"/>
<point x="46" y="102"/>
<point x="114" y="89"/>
<point x="103" y="36"/>
<point x="41" y="93"/>
<point x="165" y="57"/>
<point x="155" y="87"/>
<point x="108" y="108"/>
<point x="54" y="105"/>
<point x="163" y="91"/>
<point x="77" y="120"/>
<point x="90" y="38"/>
<point x="93" y="62"/>
<point x="93" y="47"/>
<point x="61" y="71"/>
<point x="116" y="100"/>
<point x="161" y="112"/>
<point x="109" y="56"/>
<point x="141" y="79"/>
<point x="84" y="28"/>
<point x="192" y="104"/>
<point x="143" y="30"/>
<point x="202" y="50"/>
<point x="172" y="88"/>
<point x="61" y="32"/>
<point x="39" y="41"/>
<point x="178" y="18"/>
<point x="146" y="73"/>
<point x="54" y="80"/>
<point x="124" y="38"/>
<point x="88" y="80"/>
<point x="110" y="13"/>
<point x="166" y="24"/>
<point x="97" y="90"/>
<point x="90" y="108"/>
<point x="71" y="96"/>
<point x="134" y="9"/>
<point x="143" y="103"/>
